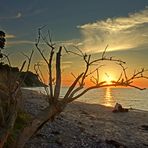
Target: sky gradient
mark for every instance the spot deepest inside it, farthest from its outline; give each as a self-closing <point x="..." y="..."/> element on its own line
<point x="89" y="24"/>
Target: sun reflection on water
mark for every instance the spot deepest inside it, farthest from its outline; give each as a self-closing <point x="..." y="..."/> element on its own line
<point x="108" y="99"/>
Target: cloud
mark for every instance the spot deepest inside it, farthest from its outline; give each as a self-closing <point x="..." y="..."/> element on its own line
<point x="65" y="67"/>
<point x="17" y="16"/>
<point x="66" y="64"/>
<point x="69" y="43"/>
<point x="10" y="36"/>
<point x="119" y="33"/>
<point x="11" y="43"/>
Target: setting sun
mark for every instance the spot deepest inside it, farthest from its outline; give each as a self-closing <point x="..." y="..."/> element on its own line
<point x="108" y="78"/>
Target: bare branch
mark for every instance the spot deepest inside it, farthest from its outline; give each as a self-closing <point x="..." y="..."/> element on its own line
<point x="75" y="91"/>
<point x="50" y="38"/>
<point x="102" y="85"/>
<point x="48" y="62"/>
<point x="138" y="74"/>
<point x="40" y="74"/>
<point x="97" y="76"/>
<point x="136" y="87"/>
<point x="37" y="45"/>
<point x="75" y="53"/>
<point x="75" y="78"/>
<point x="23" y="65"/>
<point x="106" y="59"/>
<point x="124" y="71"/>
<point x="92" y="81"/>
<point x="7" y="57"/>
<point x="28" y="66"/>
<point x="50" y="44"/>
<point x="41" y="78"/>
<point x="72" y="86"/>
<point x="104" y="51"/>
<point x="119" y="77"/>
<point x="94" y="70"/>
<point x="80" y="51"/>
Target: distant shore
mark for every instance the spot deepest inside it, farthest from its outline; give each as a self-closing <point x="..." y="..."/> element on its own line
<point x="87" y="125"/>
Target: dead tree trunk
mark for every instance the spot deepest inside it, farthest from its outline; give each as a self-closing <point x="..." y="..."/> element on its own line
<point x="58" y="74"/>
<point x="55" y="108"/>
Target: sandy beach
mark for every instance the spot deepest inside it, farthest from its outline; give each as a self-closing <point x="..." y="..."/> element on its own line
<point x="87" y="126"/>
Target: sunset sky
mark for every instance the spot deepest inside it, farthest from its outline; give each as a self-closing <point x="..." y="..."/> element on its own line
<point x="89" y="24"/>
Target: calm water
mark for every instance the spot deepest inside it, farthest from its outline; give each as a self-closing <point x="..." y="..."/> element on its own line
<point x="128" y="97"/>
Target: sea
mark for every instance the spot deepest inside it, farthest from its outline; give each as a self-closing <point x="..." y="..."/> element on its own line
<point x="127" y="97"/>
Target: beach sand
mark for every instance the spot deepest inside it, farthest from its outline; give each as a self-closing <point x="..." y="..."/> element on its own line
<point x="87" y="126"/>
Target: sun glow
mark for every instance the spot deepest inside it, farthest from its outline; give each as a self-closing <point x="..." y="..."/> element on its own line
<point x="108" y="78"/>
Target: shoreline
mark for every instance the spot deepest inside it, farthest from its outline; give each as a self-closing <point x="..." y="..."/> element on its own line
<point x="87" y="125"/>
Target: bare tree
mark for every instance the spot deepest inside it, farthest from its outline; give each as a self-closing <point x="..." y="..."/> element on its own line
<point x="76" y="89"/>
